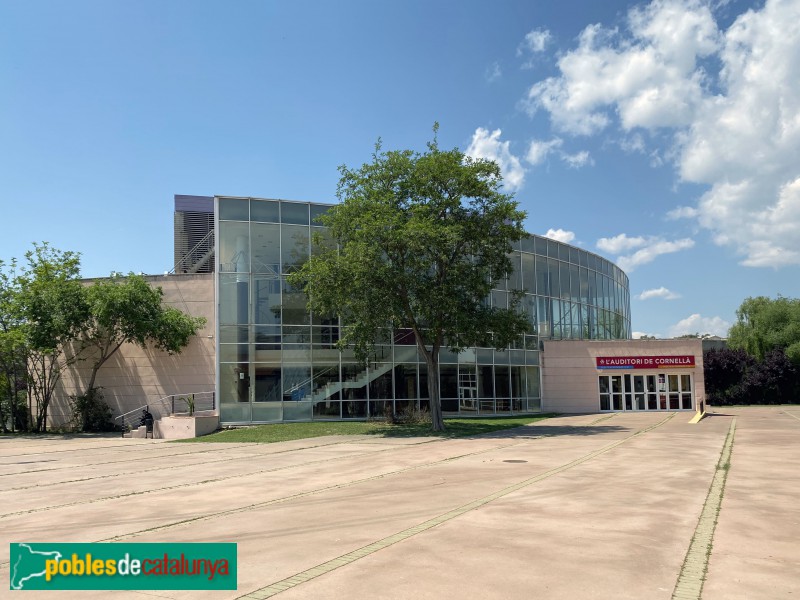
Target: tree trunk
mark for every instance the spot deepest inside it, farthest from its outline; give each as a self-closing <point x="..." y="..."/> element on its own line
<point x="432" y="361"/>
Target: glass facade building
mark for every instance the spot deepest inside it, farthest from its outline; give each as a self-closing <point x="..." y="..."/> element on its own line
<point x="277" y="362"/>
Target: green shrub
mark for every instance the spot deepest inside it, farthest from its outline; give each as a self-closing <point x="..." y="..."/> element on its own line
<point x="90" y="412"/>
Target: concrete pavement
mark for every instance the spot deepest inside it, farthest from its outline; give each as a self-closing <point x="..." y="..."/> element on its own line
<point x="588" y="506"/>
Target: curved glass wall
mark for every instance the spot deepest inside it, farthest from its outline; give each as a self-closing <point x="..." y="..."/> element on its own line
<point x="277" y="362"/>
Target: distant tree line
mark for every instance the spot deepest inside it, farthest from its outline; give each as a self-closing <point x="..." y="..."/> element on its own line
<point x="761" y="364"/>
<point x="51" y="320"/>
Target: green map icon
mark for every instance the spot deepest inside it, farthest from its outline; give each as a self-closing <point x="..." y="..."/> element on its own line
<point x="28" y="564"/>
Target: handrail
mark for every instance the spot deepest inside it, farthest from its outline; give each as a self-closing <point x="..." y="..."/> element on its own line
<point x="164" y="405"/>
<point x="130" y="412"/>
<point x="207" y="244"/>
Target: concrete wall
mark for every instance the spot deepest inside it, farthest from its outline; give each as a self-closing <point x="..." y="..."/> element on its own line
<point x="135" y="376"/>
<point x="569" y="370"/>
<point x="181" y="427"/>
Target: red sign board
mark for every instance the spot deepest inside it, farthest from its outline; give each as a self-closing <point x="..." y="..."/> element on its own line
<point x="644" y="362"/>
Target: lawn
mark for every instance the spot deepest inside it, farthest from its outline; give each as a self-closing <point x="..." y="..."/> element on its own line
<point x="282" y="432"/>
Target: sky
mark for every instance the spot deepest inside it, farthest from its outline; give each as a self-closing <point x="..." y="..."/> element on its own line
<point x="662" y="135"/>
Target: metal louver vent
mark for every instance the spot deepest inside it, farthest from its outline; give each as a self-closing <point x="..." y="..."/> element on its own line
<point x="194" y="234"/>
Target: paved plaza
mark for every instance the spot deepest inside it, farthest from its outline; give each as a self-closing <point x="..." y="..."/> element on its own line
<point x="588" y="506"/>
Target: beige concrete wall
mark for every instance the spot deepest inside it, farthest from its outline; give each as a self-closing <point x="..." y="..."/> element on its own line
<point x="569" y="370"/>
<point x="135" y="376"/>
<point x="182" y="427"/>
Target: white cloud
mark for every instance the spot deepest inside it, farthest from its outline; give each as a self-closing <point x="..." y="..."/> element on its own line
<point x="649" y="248"/>
<point x="560" y="235"/>
<point x="698" y="324"/>
<point x="637" y="335"/>
<point x="534" y="43"/>
<point x="653" y="250"/>
<point x="620" y="243"/>
<point x="577" y="160"/>
<point x="682" y="212"/>
<point x="486" y="144"/>
<point x="728" y="102"/>
<point x="661" y="292"/>
<point x="539" y="149"/>
<point x="648" y="79"/>
<point x="493" y="72"/>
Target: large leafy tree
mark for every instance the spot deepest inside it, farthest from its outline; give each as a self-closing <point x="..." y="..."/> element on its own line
<point x="766" y="324"/>
<point x="422" y="238"/>
<point x="50" y="320"/>
<point x="50" y="305"/>
<point x="129" y="310"/>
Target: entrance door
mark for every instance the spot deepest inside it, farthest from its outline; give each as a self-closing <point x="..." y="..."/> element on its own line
<point x="639" y="397"/>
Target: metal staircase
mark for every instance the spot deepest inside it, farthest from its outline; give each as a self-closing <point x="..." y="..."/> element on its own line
<point x="199" y="258"/>
<point x="366" y="377"/>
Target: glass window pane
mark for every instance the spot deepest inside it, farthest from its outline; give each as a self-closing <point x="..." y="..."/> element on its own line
<point x="296" y="382"/>
<point x="318" y="210"/>
<point x="268" y="382"/>
<point x="232" y="334"/>
<point x="265" y="243"/>
<point x="526" y="244"/>
<point x="380" y="387"/>
<point x="294" y="306"/>
<point x="327" y="410"/>
<point x="232" y="352"/>
<point x="234" y="384"/>
<point x="542" y="276"/>
<point x="295" y="213"/>
<point x="234" y="209"/>
<point x="515" y="276"/>
<point x="448" y="378"/>
<point x="266" y="300"/>
<point x="354" y="385"/>
<point x="501" y="382"/>
<point x="563" y="274"/>
<point x="295" y="248"/>
<point x="532" y="381"/>
<point x="233" y="299"/>
<point x="264" y="211"/>
<point x="405" y="380"/>
<point x="234" y="247"/>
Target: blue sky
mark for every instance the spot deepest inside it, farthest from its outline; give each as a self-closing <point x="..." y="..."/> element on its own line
<point x="662" y="135"/>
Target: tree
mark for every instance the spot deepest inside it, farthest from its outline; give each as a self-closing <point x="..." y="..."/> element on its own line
<point x="129" y="310"/>
<point x="724" y="371"/>
<point x="50" y="320"/>
<point x="12" y="356"/>
<point x="422" y="238"/>
<point x="763" y="324"/>
<point x="771" y="381"/>
<point x="49" y="303"/>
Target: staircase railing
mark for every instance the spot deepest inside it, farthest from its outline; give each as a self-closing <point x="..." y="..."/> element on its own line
<point x="363" y="378"/>
<point x="197" y="257"/>
<point x="168" y="405"/>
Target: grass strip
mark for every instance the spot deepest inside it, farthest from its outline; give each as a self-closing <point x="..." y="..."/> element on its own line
<point x="283" y="432"/>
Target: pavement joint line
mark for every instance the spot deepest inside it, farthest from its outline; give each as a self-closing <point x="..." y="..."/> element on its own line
<point x="695" y="565"/>
<point x="273" y="589"/>
<point x="216" y="448"/>
<point x="258" y="505"/>
<point x="222" y="478"/>
<point x="132" y="460"/>
<point x="170" y="487"/>
<point x="274" y="500"/>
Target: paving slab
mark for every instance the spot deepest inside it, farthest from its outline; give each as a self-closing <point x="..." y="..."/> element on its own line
<point x="581" y="506"/>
